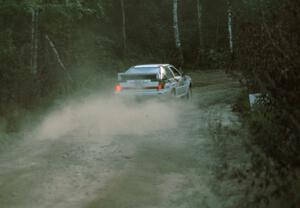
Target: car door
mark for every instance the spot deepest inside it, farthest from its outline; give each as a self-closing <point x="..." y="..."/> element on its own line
<point x="181" y="86"/>
<point x="171" y="81"/>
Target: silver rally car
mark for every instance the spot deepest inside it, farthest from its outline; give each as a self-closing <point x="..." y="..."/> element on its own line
<point x="158" y="80"/>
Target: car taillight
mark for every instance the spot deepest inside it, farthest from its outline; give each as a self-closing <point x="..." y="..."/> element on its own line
<point x="118" y="88"/>
<point x="160" y="86"/>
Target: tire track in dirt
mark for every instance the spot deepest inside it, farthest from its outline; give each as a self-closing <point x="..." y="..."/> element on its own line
<point x="186" y="166"/>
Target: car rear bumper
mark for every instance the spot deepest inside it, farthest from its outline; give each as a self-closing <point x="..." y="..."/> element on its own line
<point x="140" y="95"/>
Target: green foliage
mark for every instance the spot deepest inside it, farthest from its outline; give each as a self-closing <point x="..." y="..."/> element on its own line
<point x="271" y="180"/>
<point x="269" y="65"/>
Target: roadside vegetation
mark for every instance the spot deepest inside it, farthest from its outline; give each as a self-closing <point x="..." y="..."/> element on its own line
<point x="267" y="51"/>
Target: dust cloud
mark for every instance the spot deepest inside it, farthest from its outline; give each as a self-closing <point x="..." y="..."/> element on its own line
<point x="107" y="115"/>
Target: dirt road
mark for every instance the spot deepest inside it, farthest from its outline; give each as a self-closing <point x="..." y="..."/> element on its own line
<point x="94" y="152"/>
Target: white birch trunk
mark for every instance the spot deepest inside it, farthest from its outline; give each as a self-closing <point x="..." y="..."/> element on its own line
<point x="34" y="41"/>
<point x="199" y="21"/>
<point x="176" y="30"/>
<point x="175" y="24"/>
<point x="230" y="30"/>
<point x="123" y="25"/>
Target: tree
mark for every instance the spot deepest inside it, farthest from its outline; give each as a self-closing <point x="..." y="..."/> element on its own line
<point x="229" y="25"/>
<point x="123" y="25"/>
<point x="200" y="35"/>
<point x="176" y="32"/>
<point x="34" y="40"/>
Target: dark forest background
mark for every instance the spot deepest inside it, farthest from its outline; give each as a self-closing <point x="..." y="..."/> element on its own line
<point x="87" y="36"/>
<point x="51" y="48"/>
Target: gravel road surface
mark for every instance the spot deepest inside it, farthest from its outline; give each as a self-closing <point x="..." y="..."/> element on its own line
<point x="98" y="152"/>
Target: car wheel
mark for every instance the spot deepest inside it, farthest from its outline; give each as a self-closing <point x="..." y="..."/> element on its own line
<point x="188" y="95"/>
<point x="172" y="95"/>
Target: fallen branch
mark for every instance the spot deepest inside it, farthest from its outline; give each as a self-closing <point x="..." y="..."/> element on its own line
<point x="58" y="57"/>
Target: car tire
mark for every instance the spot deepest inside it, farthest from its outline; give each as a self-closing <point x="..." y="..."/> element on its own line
<point x="188" y="95"/>
<point x="173" y="94"/>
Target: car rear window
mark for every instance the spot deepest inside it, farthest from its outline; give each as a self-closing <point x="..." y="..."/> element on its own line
<point x="148" y="70"/>
<point x="126" y="77"/>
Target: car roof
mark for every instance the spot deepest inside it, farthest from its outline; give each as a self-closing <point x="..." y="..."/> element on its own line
<point x="146" y="69"/>
<point x="150" y="65"/>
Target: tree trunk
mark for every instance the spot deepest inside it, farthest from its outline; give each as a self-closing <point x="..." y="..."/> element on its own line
<point x="200" y="35"/>
<point x="123" y="26"/>
<point x="176" y="32"/>
<point x="229" y="25"/>
<point x="34" y="41"/>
